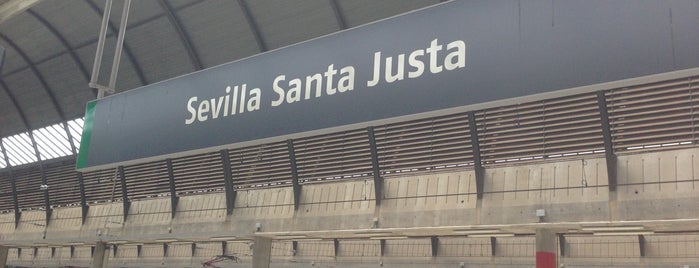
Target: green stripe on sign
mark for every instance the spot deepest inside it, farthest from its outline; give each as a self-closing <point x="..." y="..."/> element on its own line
<point x="87" y="135"/>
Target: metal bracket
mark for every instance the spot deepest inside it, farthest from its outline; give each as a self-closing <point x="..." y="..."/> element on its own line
<point x="477" y="161"/>
<point x="228" y="179"/>
<point x="294" y="174"/>
<point x="100" y="49"/>
<point x="610" y="157"/>
<point x="376" y="169"/>
<point x="174" y="199"/>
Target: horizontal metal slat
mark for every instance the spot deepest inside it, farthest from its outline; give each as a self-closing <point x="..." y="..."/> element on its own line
<point x="538" y="115"/>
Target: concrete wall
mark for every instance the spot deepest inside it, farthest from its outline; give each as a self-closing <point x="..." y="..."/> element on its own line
<point x="652" y="186"/>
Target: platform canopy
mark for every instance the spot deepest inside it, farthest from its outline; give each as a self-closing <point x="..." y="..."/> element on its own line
<point x="50" y="48"/>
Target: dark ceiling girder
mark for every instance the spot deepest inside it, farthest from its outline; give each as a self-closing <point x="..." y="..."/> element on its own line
<point x="338" y="14"/>
<point x="184" y="37"/>
<point x="127" y="49"/>
<point x="38" y="74"/>
<point x="14" y="103"/>
<point x="65" y="43"/>
<point x="92" y="41"/>
<point x="253" y="25"/>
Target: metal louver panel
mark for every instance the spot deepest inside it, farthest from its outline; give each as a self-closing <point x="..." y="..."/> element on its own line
<point x="561" y="127"/>
<point x="264" y="165"/>
<point x="63" y="185"/>
<point x="6" y="203"/>
<point x="147" y="180"/>
<point x="196" y="174"/>
<point x="333" y="156"/>
<point x="660" y="115"/>
<point x="432" y="144"/>
<point x="102" y="186"/>
<point x="29" y="196"/>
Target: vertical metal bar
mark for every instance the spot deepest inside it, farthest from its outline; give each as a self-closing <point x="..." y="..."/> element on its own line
<point x="228" y="179"/>
<point x="477" y="161"/>
<point x="124" y="192"/>
<point x="83" y="199"/>
<point x="194" y="249"/>
<point x="336" y="246"/>
<point x="13" y="184"/>
<point x="44" y="182"/>
<point x="434" y="241"/>
<point x="382" y="246"/>
<point x="294" y="174"/>
<point x="165" y="249"/>
<point x="119" y="45"/>
<point x="224" y="247"/>
<point x="562" y="244"/>
<point x="642" y="245"/>
<point x="294" y="248"/>
<point x="493" y="244"/>
<point x="100" y="44"/>
<point x="376" y="169"/>
<point x="174" y="199"/>
<point x="608" y="144"/>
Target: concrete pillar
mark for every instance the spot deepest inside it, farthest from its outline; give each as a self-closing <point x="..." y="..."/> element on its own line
<point x="261" y="252"/>
<point x="99" y="258"/>
<point x="3" y="255"/>
<point x="546" y="248"/>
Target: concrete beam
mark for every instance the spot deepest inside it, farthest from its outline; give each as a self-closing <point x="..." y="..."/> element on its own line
<point x="99" y="257"/>
<point x="261" y="252"/>
<point x="3" y="255"/>
<point x="545" y="248"/>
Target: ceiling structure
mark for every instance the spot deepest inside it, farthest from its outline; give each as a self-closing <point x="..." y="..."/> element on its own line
<point x="50" y="45"/>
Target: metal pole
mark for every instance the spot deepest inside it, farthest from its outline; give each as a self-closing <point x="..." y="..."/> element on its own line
<point x="119" y="45"/>
<point x="100" y="45"/>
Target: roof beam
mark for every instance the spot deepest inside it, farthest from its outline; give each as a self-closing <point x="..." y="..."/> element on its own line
<point x="338" y="14"/>
<point x="253" y="25"/>
<point x="127" y="49"/>
<point x="184" y="37"/>
<point x="14" y="7"/>
<point x="65" y="44"/>
<point x="38" y="74"/>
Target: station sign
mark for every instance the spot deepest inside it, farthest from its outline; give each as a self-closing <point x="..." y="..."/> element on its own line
<point x="454" y="54"/>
